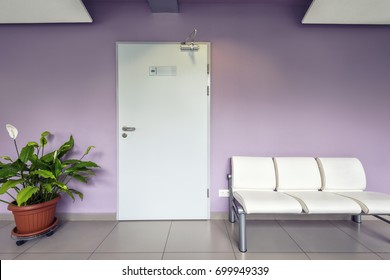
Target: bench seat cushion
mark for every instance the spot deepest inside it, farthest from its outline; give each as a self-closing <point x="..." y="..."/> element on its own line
<point x="267" y="202"/>
<point x="255" y="173"/>
<point x="317" y="202"/>
<point x="370" y="202"/>
<point x="297" y="174"/>
<point x="342" y="174"/>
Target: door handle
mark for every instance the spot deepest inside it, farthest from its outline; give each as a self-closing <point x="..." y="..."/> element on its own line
<point x="128" y="128"/>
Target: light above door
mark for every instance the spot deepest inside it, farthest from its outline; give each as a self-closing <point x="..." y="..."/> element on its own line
<point x="43" y="11"/>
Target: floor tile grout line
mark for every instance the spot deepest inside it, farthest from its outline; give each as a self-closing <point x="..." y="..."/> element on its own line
<point x="331" y="222"/>
<point x="17" y="255"/>
<point x="226" y="229"/>
<point x="52" y="253"/>
<point x="379" y="256"/>
<point x="335" y="225"/>
<point x="285" y="230"/>
<point x="39" y="240"/>
<point x="166" y="241"/>
<point x="108" y="234"/>
<point x="199" y="252"/>
<point x="230" y="237"/>
<point x="36" y="241"/>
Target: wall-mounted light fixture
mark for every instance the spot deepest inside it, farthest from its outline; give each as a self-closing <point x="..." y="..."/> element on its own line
<point x="189" y="43"/>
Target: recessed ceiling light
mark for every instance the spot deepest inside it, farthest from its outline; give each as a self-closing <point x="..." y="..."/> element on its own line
<point x="43" y="11"/>
<point x="348" y="12"/>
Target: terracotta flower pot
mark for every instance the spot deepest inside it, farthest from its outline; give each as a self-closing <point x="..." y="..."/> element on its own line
<point x="34" y="218"/>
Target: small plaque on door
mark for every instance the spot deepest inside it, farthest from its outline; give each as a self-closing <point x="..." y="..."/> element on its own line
<point x="162" y="71"/>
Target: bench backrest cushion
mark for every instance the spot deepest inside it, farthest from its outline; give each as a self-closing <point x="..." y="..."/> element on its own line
<point x="297" y="174"/>
<point x="253" y="173"/>
<point x="342" y="174"/>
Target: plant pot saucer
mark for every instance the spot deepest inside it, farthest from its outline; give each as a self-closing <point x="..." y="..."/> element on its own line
<point x="16" y="234"/>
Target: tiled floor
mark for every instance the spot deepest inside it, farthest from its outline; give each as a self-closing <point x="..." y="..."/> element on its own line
<point x="215" y="239"/>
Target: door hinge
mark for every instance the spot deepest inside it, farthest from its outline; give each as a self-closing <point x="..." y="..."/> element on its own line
<point x="208" y="90"/>
<point x="208" y="69"/>
<point x="208" y="193"/>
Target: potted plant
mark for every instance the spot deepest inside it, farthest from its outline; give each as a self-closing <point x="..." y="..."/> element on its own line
<point x="34" y="181"/>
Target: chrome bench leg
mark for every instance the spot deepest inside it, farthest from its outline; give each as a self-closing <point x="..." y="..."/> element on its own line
<point x="232" y="213"/>
<point x="232" y="217"/>
<point x="242" y="232"/>
<point x="357" y="218"/>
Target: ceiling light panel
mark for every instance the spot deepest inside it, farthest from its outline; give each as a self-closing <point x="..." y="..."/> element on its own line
<point x="348" y="12"/>
<point x="43" y="11"/>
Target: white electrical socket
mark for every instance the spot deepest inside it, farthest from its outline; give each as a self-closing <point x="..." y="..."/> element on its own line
<point x="223" y="193"/>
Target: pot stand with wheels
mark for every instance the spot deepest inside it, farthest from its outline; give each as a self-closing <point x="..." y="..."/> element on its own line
<point x="23" y="238"/>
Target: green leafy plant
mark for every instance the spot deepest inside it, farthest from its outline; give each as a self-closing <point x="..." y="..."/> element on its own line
<point x="38" y="176"/>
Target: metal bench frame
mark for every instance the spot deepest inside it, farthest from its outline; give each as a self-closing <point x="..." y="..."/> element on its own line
<point x="237" y="212"/>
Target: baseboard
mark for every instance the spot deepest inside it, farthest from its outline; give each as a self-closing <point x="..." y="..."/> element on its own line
<point x="6" y="217"/>
<point x="219" y="216"/>
<point x="87" y="216"/>
<point x="72" y="216"/>
<point x="213" y="216"/>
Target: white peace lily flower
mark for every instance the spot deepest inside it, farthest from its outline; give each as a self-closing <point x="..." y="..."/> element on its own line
<point x="13" y="132"/>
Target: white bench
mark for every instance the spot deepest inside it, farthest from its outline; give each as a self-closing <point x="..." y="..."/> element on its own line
<point x="300" y="185"/>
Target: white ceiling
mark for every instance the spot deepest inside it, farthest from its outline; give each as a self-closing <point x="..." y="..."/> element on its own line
<point x="43" y="11"/>
<point x="348" y="12"/>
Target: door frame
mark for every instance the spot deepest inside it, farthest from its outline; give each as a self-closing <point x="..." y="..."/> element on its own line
<point x="118" y="129"/>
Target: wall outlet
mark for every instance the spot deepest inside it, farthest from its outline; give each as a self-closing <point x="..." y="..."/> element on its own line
<point x="223" y="193"/>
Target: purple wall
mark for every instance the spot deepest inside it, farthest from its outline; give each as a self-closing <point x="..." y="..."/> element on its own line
<point x="278" y="88"/>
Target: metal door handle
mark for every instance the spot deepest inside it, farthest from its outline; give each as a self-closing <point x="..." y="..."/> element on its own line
<point x="128" y="128"/>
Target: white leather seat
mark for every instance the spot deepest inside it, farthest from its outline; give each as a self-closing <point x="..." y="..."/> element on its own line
<point x="317" y="202"/>
<point x="300" y="178"/>
<point x="254" y="183"/>
<point x="370" y="202"/>
<point x="267" y="202"/>
<point x="346" y="177"/>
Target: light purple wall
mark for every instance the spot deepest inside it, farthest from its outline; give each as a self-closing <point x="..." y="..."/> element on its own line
<point x="278" y="88"/>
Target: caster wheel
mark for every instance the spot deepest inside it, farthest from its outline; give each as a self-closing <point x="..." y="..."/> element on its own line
<point x="20" y="242"/>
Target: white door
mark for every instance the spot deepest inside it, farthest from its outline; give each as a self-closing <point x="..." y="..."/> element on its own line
<point x="163" y="131"/>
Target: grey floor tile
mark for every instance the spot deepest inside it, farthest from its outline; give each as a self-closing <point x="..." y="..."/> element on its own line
<point x="204" y="240"/>
<point x="199" y="256"/>
<point x="198" y="236"/>
<point x="137" y="236"/>
<point x="343" y="256"/>
<point x="385" y="256"/>
<point x="321" y="237"/>
<point x="8" y="245"/>
<point x="5" y="223"/>
<point x="75" y="237"/>
<point x="8" y="256"/>
<point x="264" y="236"/>
<point x="53" y="256"/>
<point x="375" y="235"/>
<point x="126" y="256"/>
<point x="271" y="256"/>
